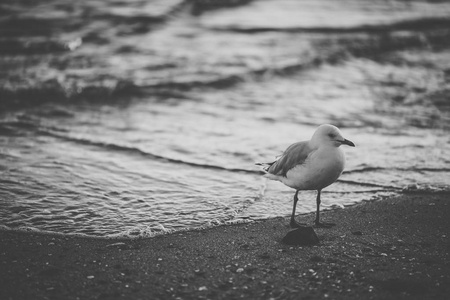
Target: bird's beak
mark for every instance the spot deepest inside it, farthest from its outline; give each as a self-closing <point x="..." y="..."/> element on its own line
<point x="347" y="142"/>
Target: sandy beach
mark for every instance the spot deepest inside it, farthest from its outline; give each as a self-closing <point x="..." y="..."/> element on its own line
<point x="396" y="248"/>
<point x="132" y="118"/>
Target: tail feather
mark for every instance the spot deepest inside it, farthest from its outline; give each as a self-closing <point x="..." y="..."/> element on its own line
<point x="266" y="166"/>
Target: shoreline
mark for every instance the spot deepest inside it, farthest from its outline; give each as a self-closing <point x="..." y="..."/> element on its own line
<point x="120" y="237"/>
<point x="395" y="248"/>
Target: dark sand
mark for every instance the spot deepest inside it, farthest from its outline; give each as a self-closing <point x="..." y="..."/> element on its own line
<point x="396" y="248"/>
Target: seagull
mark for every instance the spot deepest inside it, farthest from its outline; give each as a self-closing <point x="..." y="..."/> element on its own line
<point x="310" y="165"/>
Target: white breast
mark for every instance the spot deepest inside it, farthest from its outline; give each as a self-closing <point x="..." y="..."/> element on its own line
<point x="322" y="168"/>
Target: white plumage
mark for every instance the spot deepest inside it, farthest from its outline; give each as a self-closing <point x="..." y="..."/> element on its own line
<point x="311" y="165"/>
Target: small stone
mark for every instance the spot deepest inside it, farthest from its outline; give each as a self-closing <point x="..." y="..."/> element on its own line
<point x="316" y="258"/>
<point x="245" y="246"/>
<point x="240" y="270"/>
<point x="203" y="288"/>
<point x="120" y="245"/>
<point x="301" y="236"/>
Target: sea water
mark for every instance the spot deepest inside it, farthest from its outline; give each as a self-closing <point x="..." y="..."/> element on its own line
<point x="131" y="118"/>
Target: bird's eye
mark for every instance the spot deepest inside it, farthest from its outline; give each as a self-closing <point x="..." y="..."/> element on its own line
<point x="332" y="135"/>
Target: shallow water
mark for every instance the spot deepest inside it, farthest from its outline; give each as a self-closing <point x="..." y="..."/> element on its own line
<point x="137" y="118"/>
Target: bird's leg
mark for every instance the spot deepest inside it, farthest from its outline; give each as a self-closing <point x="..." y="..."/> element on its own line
<point x="293" y="223"/>
<point x="317" y="221"/>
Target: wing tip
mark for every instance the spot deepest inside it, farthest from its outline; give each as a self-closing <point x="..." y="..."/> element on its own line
<point x="266" y="166"/>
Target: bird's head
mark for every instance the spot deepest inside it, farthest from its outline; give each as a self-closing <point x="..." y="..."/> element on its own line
<point x="327" y="134"/>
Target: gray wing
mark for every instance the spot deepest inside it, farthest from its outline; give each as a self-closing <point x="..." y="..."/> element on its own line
<point x="294" y="155"/>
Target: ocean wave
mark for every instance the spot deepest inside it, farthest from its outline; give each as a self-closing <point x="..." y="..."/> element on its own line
<point x="411" y="169"/>
<point x="201" y="6"/>
<point x="66" y="77"/>
<point x="8" y="128"/>
<point x="368" y="184"/>
<point x="131" y="234"/>
<point x="36" y="46"/>
<point x="23" y="93"/>
<point x="421" y="24"/>
<point x="29" y="20"/>
<point x="425" y="189"/>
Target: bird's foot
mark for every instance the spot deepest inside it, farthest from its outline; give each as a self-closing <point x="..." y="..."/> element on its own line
<point x="318" y="224"/>
<point x="295" y="224"/>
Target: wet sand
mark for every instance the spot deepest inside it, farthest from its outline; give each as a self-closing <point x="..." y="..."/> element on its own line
<point x="396" y="248"/>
